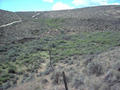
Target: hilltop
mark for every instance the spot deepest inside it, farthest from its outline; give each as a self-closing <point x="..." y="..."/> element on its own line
<point x="84" y="43"/>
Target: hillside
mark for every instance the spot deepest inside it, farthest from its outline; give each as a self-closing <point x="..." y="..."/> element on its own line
<point x="7" y="17"/>
<point x="85" y="19"/>
<point x="84" y="43"/>
<point x="38" y="24"/>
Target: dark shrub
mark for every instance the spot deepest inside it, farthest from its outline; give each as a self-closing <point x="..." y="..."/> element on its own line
<point x="11" y="70"/>
<point x="44" y="81"/>
<point x="95" y="68"/>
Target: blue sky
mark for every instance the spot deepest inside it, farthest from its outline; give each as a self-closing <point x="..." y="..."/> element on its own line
<point x="46" y="5"/>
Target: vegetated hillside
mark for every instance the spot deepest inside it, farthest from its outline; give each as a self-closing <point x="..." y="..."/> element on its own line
<point x="82" y="46"/>
<point x="7" y="17"/>
<point x="104" y="17"/>
<point x="26" y="15"/>
<point x="39" y="24"/>
<point x="89" y="59"/>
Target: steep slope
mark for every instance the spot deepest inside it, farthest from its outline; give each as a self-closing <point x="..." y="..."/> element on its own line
<point x="8" y="17"/>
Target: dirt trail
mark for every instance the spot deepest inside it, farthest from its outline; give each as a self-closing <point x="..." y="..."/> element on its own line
<point x="20" y="20"/>
<point x="5" y="25"/>
<point x="35" y="15"/>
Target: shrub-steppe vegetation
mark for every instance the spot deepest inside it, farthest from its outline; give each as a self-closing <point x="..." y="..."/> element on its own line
<point x="19" y="58"/>
<point x="84" y="43"/>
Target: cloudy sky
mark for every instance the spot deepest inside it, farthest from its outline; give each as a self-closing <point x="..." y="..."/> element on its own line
<point x="46" y="5"/>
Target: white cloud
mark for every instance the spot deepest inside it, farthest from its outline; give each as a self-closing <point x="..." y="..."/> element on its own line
<point x="61" y="6"/>
<point x="107" y="3"/>
<point x="104" y="3"/>
<point x="115" y="3"/>
<point x="79" y="2"/>
<point x="50" y="1"/>
<point x="100" y="2"/>
<point x="91" y="2"/>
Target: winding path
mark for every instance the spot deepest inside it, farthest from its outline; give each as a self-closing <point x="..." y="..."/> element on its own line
<point x="14" y="22"/>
